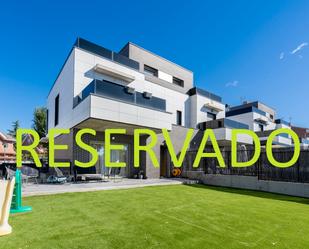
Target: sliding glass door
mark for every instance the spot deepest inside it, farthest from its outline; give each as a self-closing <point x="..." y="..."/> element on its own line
<point x="116" y="156"/>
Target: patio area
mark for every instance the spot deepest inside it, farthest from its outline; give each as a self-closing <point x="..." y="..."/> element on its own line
<point x="32" y="189"/>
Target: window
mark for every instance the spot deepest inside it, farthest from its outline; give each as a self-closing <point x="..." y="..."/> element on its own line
<point x="178" y="82"/>
<point x="211" y="116"/>
<point x="271" y="116"/>
<point x="179" y="117"/>
<point x="150" y="71"/>
<point x="47" y="118"/>
<point x="261" y="127"/>
<point x="57" y="110"/>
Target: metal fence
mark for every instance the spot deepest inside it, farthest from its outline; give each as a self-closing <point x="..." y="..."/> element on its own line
<point x="262" y="169"/>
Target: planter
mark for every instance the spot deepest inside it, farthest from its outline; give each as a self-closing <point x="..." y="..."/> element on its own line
<point x="6" y="193"/>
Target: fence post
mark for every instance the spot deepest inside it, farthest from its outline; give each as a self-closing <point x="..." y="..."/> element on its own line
<point x="298" y="166"/>
<point x="257" y="166"/>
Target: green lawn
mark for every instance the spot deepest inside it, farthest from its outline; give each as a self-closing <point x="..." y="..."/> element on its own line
<point x="162" y="217"/>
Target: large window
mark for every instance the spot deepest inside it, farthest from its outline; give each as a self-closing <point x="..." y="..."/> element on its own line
<point x="178" y="82"/>
<point x="179" y="118"/>
<point x="116" y="156"/>
<point x="150" y="71"/>
<point x="57" y="110"/>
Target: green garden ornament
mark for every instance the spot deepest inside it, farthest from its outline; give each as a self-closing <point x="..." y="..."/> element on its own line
<point x="16" y="206"/>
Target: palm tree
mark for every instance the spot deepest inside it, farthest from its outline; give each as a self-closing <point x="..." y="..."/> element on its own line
<point x="39" y="121"/>
<point x="15" y="127"/>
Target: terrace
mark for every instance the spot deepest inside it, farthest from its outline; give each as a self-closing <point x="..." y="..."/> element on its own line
<point x="106" y="53"/>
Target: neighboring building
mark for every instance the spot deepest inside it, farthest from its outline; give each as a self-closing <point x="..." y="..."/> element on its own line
<point x="203" y="106"/>
<point x="303" y="134"/>
<point x="98" y="88"/>
<point x="7" y="151"/>
<point x="206" y="110"/>
<point x="27" y="140"/>
<point x="261" y="119"/>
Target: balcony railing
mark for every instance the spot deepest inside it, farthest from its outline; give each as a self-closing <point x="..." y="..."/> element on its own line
<point x="268" y="132"/>
<point x="222" y="123"/>
<point x="238" y="111"/>
<point x="106" y="53"/>
<point x="281" y="121"/>
<point x="196" y="90"/>
<point x="228" y="123"/>
<point x="121" y="93"/>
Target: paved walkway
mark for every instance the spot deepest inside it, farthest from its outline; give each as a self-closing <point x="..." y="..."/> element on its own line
<point x="48" y="189"/>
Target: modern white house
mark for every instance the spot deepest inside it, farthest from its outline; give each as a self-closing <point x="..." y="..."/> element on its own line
<point x="134" y="88"/>
<point x="261" y="119"/>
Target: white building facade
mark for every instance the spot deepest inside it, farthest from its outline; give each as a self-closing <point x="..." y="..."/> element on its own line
<point x="261" y="119"/>
<point x="134" y="88"/>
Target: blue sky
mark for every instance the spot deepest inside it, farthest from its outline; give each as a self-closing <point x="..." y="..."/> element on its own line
<point x="241" y="50"/>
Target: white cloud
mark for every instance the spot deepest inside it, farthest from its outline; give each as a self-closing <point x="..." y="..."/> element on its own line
<point x="281" y="56"/>
<point x="300" y="47"/>
<point x="232" y="83"/>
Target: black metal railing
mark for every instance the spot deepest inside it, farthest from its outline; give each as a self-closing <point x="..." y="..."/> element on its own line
<point x="223" y="123"/>
<point x="263" y="169"/>
<point x="281" y="121"/>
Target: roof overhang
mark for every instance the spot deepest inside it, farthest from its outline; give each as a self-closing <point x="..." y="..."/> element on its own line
<point x="113" y="73"/>
<point x="261" y="121"/>
<point x="213" y="107"/>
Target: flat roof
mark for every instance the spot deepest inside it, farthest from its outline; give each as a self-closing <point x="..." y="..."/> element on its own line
<point x="150" y="52"/>
<point x="200" y="91"/>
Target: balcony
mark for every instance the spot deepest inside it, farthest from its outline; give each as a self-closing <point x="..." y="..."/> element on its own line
<point x="209" y="95"/>
<point x="121" y="93"/>
<point x="110" y="102"/>
<point x="281" y="139"/>
<point x="223" y="130"/>
<point x="233" y="111"/>
<point x="282" y="122"/>
<point x="106" y="53"/>
<point x="222" y="123"/>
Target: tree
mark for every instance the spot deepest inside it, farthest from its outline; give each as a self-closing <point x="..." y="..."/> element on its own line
<point x="15" y="127"/>
<point x="39" y="121"/>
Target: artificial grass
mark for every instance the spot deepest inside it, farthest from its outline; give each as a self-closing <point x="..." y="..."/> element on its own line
<point x="162" y="217"/>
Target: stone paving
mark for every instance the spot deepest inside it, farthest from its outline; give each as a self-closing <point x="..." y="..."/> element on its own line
<point x="32" y="189"/>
